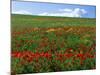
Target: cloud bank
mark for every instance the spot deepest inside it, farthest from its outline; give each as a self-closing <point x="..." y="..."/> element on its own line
<point x="22" y="12"/>
<point x="76" y="12"/>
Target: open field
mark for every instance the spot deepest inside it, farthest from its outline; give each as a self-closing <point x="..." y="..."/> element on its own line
<point x="50" y="44"/>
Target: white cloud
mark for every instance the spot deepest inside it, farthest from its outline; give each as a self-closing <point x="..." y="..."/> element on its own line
<point x="22" y="12"/>
<point x="77" y="12"/>
<point x="44" y="14"/>
<point x="66" y="10"/>
<point x="84" y="11"/>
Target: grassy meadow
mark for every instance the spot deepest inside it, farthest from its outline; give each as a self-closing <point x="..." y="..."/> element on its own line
<point x="50" y="44"/>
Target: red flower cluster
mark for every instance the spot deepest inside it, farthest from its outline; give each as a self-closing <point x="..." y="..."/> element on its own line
<point x="30" y="56"/>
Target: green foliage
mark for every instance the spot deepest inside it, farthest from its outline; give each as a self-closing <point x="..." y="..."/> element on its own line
<point x="70" y="35"/>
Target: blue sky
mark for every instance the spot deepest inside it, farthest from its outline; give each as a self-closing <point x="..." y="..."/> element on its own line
<point x="51" y="9"/>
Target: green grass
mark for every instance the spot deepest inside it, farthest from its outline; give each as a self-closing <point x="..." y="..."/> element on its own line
<point x="48" y="21"/>
<point x="55" y="35"/>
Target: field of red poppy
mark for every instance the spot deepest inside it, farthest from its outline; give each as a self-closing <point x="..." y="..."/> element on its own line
<point x="50" y="44"/>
